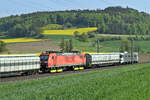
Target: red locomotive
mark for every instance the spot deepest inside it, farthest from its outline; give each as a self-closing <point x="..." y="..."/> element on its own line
<point x="57" y="61"/>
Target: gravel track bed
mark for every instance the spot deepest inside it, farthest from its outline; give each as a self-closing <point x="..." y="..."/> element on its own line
<point x="46" y="75"/>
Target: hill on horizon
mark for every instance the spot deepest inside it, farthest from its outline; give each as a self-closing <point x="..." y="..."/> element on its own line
<point x="13" y="7"/>
<point x="112" y="20"/>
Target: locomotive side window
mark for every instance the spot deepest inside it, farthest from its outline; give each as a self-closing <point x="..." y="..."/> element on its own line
<point x="52" y="57"/>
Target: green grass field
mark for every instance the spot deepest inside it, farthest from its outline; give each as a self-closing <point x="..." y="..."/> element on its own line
<point x="57" y="37"/>
<point x="109" y="46"/>
<point x="125" y="83"/>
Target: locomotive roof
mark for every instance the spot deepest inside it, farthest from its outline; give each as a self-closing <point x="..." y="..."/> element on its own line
<point x="61" y="53"/>
<point x="68" y="53"/>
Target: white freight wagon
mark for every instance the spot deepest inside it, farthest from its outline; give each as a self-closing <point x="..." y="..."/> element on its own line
<point x="128" y="58"/>
<point x="102" y="58"/>
<point x="19" y="63"/>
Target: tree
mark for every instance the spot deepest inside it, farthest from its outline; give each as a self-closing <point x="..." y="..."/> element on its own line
<point x="137" y="48"/>
<point x="70" y="45"/>
<point x="68" y="25"/>
<point x="125" y="46"/>
<point x="76" y="34"/>
<point x="84" y="37"/>
<point x="91" y="34"/>
<point x="62" y="45"/>
<point x="2" y="46"/>
<point x="67" y="46"/>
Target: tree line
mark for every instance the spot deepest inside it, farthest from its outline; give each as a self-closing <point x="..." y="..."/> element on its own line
<point x="112" y="20"/>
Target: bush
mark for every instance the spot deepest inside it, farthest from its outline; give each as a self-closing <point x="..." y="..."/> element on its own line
<point x="91" y="34"/>
<point x="76" y="34"/>
<point x="125" y="46"/>
<point x="2" y="46"/>
<point x="102" y="39"/>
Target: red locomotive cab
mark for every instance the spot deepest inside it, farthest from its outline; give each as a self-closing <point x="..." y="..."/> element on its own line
<point x="44" y="58"/>
<point x="47" y="60"/>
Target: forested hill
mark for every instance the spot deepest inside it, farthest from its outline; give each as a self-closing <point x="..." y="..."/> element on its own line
<point x="112" y="20"/>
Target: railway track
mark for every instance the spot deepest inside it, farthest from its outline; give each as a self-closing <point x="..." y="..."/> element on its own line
<point x="46" y="75"/>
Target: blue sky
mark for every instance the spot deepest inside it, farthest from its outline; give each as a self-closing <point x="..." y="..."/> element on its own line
<point x="13" y="7"/>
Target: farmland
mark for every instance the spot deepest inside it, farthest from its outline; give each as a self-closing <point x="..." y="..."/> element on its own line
<point x="123" y="83"/>
<point x="90" y="46"/>
<point x="68" y="31"/>
<point x="53" y="34"/>
<point x="53" y="37"/>
<point x="32" y="47"/>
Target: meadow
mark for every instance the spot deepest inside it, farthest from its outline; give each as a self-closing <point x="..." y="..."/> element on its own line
<point x="68" y="31"/>
<point x="108" y="46"/>
<point x="124" y="83"/>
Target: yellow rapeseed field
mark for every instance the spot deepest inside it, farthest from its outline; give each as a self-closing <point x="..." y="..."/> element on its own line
<point x="68" y="31"/>
<point x="24" y="54"/>
<point x="20" y="40"/>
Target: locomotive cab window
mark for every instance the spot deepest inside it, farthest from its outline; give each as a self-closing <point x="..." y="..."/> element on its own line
<point x="44" y="57"/>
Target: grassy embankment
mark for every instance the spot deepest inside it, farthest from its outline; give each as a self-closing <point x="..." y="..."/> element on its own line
<point x="126" y="83"/>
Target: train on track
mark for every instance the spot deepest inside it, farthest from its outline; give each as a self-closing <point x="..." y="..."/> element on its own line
<point x="52" y="61"/>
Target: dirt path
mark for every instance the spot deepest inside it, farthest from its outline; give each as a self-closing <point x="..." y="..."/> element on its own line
<point x="144" y="58"/>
